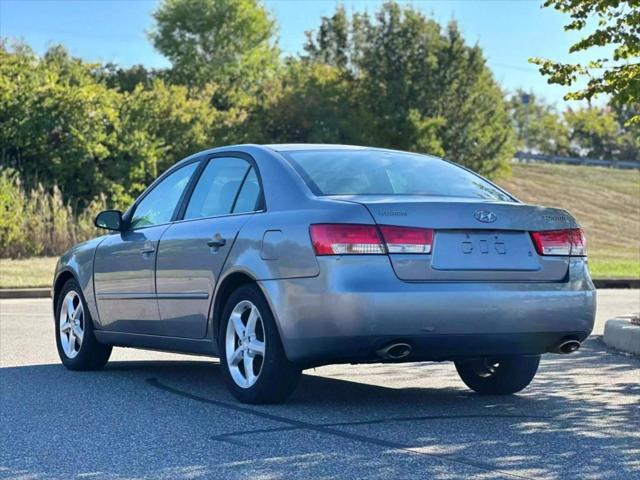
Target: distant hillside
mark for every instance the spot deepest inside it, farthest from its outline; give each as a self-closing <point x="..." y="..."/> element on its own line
<point x="606" y="202"/>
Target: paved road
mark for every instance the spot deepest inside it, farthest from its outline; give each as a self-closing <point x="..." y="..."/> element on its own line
<point x="156" y="415"/>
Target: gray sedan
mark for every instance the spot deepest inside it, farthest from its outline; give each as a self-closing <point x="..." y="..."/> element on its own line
<point x="278" y="258"/>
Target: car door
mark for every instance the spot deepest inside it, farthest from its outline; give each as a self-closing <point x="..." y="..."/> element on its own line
<point x="192" y="251"/>
<point x="124" y="265"/>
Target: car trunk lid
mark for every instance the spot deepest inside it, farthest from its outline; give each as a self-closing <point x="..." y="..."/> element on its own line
<point x="473" y="240"/>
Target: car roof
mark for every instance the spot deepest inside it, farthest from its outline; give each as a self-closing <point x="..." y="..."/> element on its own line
<point x="285" y="147"/>
<point x="290" y="147"/>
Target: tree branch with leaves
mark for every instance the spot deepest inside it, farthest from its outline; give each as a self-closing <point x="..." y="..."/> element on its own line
<point x="618" y="25"/>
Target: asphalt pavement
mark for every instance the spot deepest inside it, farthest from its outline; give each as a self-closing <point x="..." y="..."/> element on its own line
<point x="159" y="415"/>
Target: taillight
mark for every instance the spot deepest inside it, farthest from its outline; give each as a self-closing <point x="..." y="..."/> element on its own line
<point x="352" y="239"/>
<point x="579" y="245"/>
<point x="560" y="242"/>
<point x="407" y="239"/>
<point x="346" y="239"/>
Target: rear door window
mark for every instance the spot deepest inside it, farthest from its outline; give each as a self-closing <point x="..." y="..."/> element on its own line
<point x="218" y="188"/>
<point x="250" y="195"/>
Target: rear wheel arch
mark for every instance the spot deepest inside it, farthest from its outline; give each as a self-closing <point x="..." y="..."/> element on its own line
<point x="227" y="286"/>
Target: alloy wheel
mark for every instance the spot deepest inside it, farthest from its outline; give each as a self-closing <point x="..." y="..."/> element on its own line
<point x="245" y="344"/>
<point x="72" y="325"/>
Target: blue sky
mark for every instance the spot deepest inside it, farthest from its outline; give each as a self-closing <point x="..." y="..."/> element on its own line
<point x="509" y="31"/>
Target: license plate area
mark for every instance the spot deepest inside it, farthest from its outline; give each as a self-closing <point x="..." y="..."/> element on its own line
<point x="483" y="250"/>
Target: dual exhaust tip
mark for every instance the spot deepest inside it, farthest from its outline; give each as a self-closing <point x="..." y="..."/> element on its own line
<point x="394" y="351"/>
<point x="399" y="350"/>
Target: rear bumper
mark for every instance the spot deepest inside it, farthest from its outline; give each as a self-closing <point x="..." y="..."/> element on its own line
<point x="356" y="305"/>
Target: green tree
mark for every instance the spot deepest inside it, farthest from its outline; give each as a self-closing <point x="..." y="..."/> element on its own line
<point x="312" y="102"/>
<point x="618" y="25"/>
<point x="228" y="42"/>
<point x="158" y="126"/>
<point x="594" y="132"/>
<point x="629" y="138"/>
<point x="538" y="126"/>
<point x="422" y="88"/>
<point x="60" y="125"/>
<point x="57" y="124"/>
<point x="331" y="44"/>
<point x="126" y="79"/>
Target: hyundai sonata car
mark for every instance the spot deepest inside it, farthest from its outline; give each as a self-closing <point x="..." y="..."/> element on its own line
<point x="278" y="258"/>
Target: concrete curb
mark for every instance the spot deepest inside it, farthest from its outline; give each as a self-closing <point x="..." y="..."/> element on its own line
<point x="616" y="282"/>
<point x="25" y="293"/>
<point x="621" y="334"/>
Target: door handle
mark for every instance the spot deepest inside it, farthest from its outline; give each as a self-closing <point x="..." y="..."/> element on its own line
<point x="147" y="249"/>
<point x="217" y="241"/>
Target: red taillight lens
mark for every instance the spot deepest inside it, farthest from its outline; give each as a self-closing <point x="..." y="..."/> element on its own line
<point x="346" y="239"/>
<point x="407" y="239"/>
<point x="349" y="239"/>
<point x="579" y="243"/>
<point x="560" y="242"/>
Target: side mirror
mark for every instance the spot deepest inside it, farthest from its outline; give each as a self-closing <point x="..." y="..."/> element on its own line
<point x="109" y="219"/>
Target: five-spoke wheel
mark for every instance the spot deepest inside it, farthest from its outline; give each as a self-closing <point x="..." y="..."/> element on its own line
<point x="245" y="344"/>
<point x="71" y="324"/>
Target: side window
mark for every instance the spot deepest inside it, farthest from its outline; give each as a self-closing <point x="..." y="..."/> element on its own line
<point x="249" y="195"/>
<point x="217" y="188"/>
<point x="158" y="205"/>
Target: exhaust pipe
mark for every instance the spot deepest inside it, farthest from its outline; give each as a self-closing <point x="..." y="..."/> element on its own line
<point x="567" y="346"/>
<point x="395" y="351"/>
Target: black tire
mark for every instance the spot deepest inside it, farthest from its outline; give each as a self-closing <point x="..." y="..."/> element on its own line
<point x="277" y="376"/>
<point x="498" y="376"/>
<point x="91" y="354"/>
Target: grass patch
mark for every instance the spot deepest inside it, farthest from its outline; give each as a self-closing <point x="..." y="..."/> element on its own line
<point x="28" y="272"/>
<point x="602" y="268"/>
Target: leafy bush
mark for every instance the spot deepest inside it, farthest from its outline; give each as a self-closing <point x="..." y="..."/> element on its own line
<point x="60" y="124"/>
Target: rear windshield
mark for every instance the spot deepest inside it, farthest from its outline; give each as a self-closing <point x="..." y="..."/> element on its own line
<point x="377" y="172"/>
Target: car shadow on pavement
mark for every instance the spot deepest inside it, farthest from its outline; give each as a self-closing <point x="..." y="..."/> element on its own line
<point x="579" y="418"/>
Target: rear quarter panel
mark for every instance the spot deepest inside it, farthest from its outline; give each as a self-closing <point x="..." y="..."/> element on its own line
<point x="275" y="244"/>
